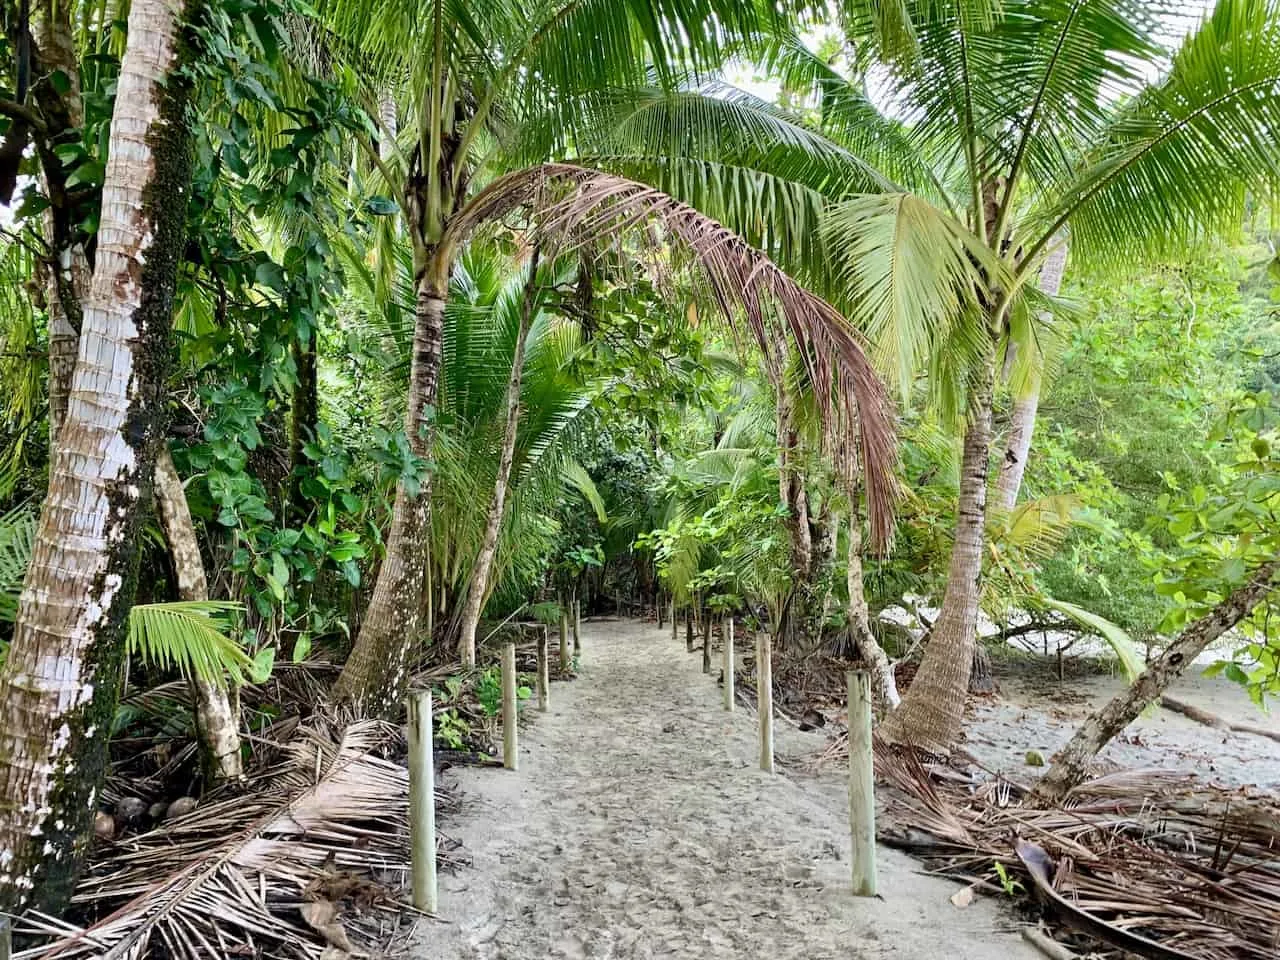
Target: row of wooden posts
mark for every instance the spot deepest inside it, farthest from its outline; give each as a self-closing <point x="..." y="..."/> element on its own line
<point x="422" y="817"/>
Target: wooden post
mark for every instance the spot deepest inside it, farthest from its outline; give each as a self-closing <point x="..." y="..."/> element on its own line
<point x="660" y="608"/>
<point x="564" y="639"/>
<point x="862" y="786"/>
<point x="728" y="663"/>
<point x="544" y="669"/>
<point x="675" y="624"/>
<point x="6" y="939"/>
<point x="688" y="630"/>
<point x="510" y="758"/>
<point x="577" y="626"/>
<point x="706" y="642"/>
<point x="422" y="804"/>
<point x="764" y="698"/>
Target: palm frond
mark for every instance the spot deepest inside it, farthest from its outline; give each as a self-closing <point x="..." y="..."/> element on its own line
<point x="17" y="540"/>
<point x="189" y="635"/>
<point x="1121" y="643"/>
<point x="569" y="203"/>
<point x="578" y="478"/>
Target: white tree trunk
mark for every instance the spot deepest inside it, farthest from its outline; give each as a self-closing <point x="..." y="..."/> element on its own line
<point x="1023" y="422"/>
<point x="479" y="587"/>
<point x="60" y="682"/>
<point x="216" y="720"/>
<point x="859" y="621"/>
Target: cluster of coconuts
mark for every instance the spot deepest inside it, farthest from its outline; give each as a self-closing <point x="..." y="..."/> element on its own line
<point x="132" y="811"/>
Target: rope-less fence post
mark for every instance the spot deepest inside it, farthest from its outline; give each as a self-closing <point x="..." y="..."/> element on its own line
<point x="675" y="624"/>
<point x="764" y="698"/>
<point x="564" y="638"/>
<point x="422" y="805"/>
<point x="728" y="662"/>
<point x="6" y="939"/>
<point x="706" y="643"/>
<point x="544" y="669"/>
<point x="862" y="786"/>
<point x="510" y="757"/>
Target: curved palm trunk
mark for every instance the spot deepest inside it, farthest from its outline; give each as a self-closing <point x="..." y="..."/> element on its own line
<point x="215" y="718"/>
<point x="859" y="620"/>
<point x="478" y="591"/>
<point x="932" y="710"/>
<point x="1071" y="764"/>
<point x="375" y="676"/>
<point x="59" y="685"/>
<point x="1023" y="422"/>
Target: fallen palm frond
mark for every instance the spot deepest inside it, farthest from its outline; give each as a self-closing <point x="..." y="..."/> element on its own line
<point x="293" y="866"/>
<point x="1151" y="862"/>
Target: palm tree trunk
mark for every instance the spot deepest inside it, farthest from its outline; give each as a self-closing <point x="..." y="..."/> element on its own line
<point x="931" y="713"/>
<point x="376" y="674"/>
<point x="1023" y="422"/>
<point x="60" y="682"/>
<point x="1071" y="764"/>
<point x="216" y="721"/>
<point x="493" y="522"/>
<point x="859" y="620"/>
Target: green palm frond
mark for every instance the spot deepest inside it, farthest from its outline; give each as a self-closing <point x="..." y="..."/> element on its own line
<point x="191" y="636"/>
<point x="1178" y="160"/>
<point x="1036" y="527"/>
<point x="17" y="540"/>
<point x="1121" y="643"/>
<point x="909" y="272"/>
<point x="576" y="476"/>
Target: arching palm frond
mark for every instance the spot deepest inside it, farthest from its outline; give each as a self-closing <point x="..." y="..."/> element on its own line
<point x="191" y="636"/>
<point x="568" y="202"/>
<point x="17" y="539"/>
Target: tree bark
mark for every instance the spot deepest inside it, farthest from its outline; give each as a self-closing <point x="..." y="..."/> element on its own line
<point x="60" y="683"/>
<point x="479" y="587"/>
<point x="1023" y="422"/>
<point x="215" y="719"/>
<point x="375" y="676"/>
<point x="859" y="620"/>
<point x="932" y="711"/>
<point x="1071" y="764"/>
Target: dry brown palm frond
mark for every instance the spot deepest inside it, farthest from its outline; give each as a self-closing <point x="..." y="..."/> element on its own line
<point x="242" y="875"/>
<point x="569" y="203"/>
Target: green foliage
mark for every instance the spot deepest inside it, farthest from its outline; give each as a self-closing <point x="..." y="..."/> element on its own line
<point x="191" y="636"/>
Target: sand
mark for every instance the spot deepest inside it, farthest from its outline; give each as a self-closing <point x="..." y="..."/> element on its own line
<point x="639" y="826"/>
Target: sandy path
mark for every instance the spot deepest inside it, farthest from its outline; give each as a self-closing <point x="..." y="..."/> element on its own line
<point x="628" y="834"/>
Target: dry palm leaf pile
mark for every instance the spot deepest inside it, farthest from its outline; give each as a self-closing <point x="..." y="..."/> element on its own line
<point x="1150" y="863"/>
<point x="300" y="863"/>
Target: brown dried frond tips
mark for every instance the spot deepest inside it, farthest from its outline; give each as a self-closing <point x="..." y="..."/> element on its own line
<point x="570" y="204"/>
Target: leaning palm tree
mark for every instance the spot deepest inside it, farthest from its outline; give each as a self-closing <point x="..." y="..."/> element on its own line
<point x="477" y="75"/>
<point x="60" y="680"/>
<point x="1002" y="131"/>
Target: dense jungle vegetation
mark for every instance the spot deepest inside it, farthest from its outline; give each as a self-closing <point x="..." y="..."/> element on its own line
<point x="339" y="333"/>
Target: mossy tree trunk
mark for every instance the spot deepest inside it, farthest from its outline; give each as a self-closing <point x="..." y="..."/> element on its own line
<point x="60" y="682"/>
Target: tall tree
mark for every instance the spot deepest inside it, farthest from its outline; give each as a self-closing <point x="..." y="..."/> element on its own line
<point x="61" y="679"/>
<point x="1025" y="120"/>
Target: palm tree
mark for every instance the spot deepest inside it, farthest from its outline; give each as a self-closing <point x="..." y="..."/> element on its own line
<point x="485" y="83"/>
<point x="1003" y="131"/>
<point x="60" y="681"/>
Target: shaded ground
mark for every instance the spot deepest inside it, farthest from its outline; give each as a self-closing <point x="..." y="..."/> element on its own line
<point x="639" y="827"/>
<point x="1035" y="712"/>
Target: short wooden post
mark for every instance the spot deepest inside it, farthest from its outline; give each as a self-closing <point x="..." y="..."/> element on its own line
<point x="675" y="624"/>
<point x="544" y="669"/>
<point x="422" y="804"/>
<point x="728" y="663"/>
<point x="862" y="786"/>
<point x="706" y="641"/>
<point x="564" y="639"/>
<point x="6" y="939"/>
<point x="510" y="758"/>
<point x="764" y="698"/>
<point x="577" y="627"/>
<point x="688" y="630"/>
